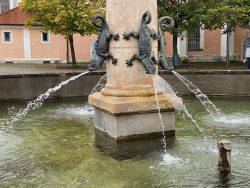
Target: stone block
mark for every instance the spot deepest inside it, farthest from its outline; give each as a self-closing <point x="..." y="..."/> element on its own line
<point x="134" y="126"/>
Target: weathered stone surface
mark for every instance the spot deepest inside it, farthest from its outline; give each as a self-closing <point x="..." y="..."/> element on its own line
<point x="129" y="105"/>
<point x="130" y="126"/>
<point x="28" y="86"/>
<point x="125" y="16"/>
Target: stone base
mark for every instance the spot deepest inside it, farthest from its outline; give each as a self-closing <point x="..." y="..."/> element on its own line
<point x="135" y="126"/>
<point x="126" y="118"/>
<point x="122" y="150"/>
<point x="129" y="105"/>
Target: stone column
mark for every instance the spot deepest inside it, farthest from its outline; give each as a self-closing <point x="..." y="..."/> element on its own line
<point x="125" y="16"/>
<point x="127" y="106"/>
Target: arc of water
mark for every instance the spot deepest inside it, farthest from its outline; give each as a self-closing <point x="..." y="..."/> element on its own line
<point x="39" y="100"/>
<point x="100" y="84"/>
<point x="167" y="90"/>
<point x="209" y="106"/>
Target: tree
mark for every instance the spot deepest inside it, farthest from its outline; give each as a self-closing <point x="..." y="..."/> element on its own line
<point x="185" y="13"/>
<point x="235" y="13"/>
<point x="65" y="17"/>
<point x="227" y="15"/>
<point x="213" y="14"/>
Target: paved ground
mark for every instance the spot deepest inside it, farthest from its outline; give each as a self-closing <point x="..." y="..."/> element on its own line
<point x="13" y="69"/>
<point x="213" y="66"/>
<point x="16" y="69"/>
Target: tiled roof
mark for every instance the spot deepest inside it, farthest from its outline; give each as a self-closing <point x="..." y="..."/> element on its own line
<point x="14" y="17"/>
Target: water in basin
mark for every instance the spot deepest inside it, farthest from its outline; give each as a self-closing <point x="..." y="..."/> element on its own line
<point x="57" y="146"/>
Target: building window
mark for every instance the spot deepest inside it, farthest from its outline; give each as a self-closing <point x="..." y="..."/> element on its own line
<point x="7" y="37"/>
<point x="45" y="37"/>
<point x="194" y="40"/>
<point x="4" y="5"/>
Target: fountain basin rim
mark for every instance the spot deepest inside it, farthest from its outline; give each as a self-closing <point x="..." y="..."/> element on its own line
<point x="206" y="72"/>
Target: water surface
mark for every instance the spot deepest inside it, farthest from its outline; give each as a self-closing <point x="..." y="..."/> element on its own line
<point x="57" y="146"/>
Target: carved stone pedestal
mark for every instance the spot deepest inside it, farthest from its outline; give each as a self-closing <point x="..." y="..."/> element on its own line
<point x="127" y="107"/>
<point x="124" y="118"/>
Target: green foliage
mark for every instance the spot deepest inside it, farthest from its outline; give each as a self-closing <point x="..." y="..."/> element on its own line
<point x="65" y="17"/>
<point x="186" y="14"/>
<point x="234" y="13"/>
<point x="214" y="14"/>
<point x="209" y="14"/>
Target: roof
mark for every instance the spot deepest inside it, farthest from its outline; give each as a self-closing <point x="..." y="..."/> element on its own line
<point x="14" y="17"/>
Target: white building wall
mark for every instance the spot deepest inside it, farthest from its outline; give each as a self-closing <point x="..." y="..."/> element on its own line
<point x="11" y="4"/>
<point x="224" y="44"/>
<point x="26" y="42"/>
<point x="182" y="46"/>
<point x="202" y="38"/>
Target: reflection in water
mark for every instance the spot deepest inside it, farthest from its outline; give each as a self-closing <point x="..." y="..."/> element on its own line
<point x="132" y="149"/>
<point x="224" y="179"/>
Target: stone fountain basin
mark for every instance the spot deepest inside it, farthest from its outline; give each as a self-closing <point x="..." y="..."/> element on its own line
<point x="218" y="83"/>
<point x="57" y="146"/>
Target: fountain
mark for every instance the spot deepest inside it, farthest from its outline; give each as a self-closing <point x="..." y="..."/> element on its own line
<point x="54" y="145"/>
<point x="127" y="107"/>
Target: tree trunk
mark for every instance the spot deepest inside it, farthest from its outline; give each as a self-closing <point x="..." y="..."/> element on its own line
<point x="67" y="51"/>
<point x="227" y="48"/>
<point x="175" y="40"/>
<point x="176" y="57"/>
<point x="72" y="49"/>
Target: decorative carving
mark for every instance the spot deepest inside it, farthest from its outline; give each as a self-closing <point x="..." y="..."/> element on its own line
<point x="164" y="23"/>
<point x="144" y="35"/>
<point x="101" y="49"/>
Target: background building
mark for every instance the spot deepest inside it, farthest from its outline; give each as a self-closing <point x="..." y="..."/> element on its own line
<point x="21" y="45"/>
<point x="6" y="5"/>
<point x="210" y="46"/>
<point x="18" y="44"/>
